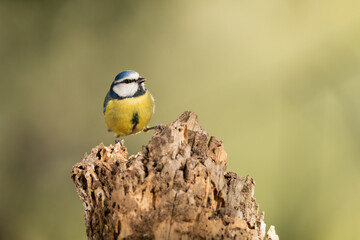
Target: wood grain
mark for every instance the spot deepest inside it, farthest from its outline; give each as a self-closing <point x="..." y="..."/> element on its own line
<point x="176" y="188"/>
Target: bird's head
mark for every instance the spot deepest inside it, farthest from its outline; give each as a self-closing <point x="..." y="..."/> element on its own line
<point x="127" y="84"/>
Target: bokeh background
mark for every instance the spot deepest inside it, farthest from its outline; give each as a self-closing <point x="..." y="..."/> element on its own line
<point x="277" y="81"/>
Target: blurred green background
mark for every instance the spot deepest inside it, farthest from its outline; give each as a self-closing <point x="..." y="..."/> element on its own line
<point x="277" y="81"/>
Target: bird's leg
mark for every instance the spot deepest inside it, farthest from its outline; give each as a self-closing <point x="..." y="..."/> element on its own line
<point x="117" y="140"/>
<point x="154" y="127"/>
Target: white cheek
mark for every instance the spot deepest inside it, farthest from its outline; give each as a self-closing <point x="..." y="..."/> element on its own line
<point x="126" y="90"/>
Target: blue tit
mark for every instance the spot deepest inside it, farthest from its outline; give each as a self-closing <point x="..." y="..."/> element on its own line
<point x="128" y="106"/>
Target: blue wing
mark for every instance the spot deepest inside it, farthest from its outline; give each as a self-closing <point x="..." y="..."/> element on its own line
<point x="106" y="101"/>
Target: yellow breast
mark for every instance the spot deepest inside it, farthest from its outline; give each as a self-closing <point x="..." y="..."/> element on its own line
<point x="129" y="115"/>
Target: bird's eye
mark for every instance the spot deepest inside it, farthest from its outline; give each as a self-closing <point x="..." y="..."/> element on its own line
<point x="126" y="81"/>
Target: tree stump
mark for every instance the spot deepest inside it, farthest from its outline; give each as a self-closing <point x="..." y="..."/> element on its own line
<point x="176" y="188"/>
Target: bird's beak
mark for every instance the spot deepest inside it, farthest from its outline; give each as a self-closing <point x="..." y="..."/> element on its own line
<point x="140" y="80"/>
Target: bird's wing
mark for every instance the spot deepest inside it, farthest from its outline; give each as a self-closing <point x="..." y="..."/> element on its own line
<point x="106" y="100"/>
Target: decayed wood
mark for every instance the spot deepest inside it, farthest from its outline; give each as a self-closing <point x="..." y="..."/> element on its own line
<point x="176" y="188"/>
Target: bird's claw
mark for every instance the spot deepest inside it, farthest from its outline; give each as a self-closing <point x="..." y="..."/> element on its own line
<point x="159" y="127"/>
<point x="118" y="141"/>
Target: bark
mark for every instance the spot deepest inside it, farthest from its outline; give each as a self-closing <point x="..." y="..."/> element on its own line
<point x="176" y="188"/>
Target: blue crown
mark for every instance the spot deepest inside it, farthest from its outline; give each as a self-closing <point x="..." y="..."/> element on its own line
<point x="124" y="74"/>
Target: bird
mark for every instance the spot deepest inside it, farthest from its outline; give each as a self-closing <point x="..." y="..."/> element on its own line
<point x="128" y="105"/>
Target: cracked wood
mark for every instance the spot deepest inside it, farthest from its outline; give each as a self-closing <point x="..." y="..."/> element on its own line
<point x="176" y="188"/>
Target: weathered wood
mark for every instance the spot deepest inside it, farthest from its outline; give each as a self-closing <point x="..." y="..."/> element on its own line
<point x="176" y="188"/>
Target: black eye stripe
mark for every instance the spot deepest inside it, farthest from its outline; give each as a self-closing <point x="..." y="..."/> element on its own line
<point x="129" y="80"/>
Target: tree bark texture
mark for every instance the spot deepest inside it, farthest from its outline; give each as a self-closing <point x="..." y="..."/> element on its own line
<point x="176" y="188"/>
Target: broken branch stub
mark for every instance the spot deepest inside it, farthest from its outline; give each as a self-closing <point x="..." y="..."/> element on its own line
<point x="176" y="188"/>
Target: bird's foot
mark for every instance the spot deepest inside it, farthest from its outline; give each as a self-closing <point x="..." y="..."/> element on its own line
<point x="117" y="140"/>
<point x="157" y="127"/>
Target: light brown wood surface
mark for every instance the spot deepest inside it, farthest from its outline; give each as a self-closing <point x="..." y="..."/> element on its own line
<point x="176" y="188"/>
